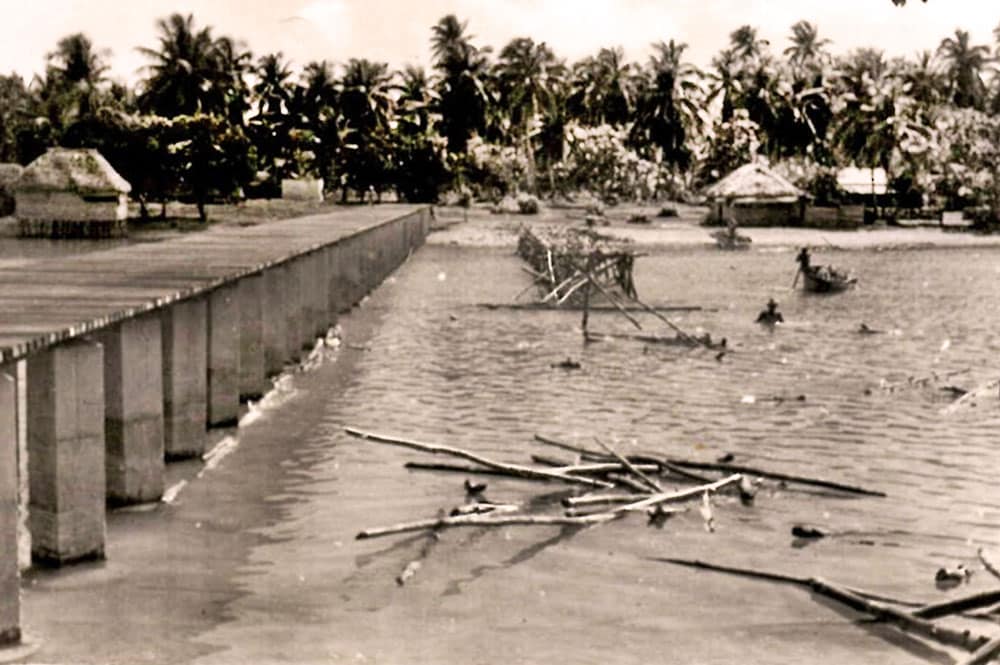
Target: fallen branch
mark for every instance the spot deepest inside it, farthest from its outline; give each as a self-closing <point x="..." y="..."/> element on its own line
<point x="854" y="600"/>
<point x="478" y="521"/>
<point x="984" y="654"/>
<point x="629" y="481"/>
<point x="957" y="605"/>
<point x="649" y="482"/>
<point x="514" y="469"/>
<point x="801" y="480"/>
<point x="992" y="567"/>
<point x="664" y="497"/>
<point x="459" y="468"/>
<point x="981" y="391"/>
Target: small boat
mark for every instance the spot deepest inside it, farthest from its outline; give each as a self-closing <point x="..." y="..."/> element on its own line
<point x="821" y="279"/>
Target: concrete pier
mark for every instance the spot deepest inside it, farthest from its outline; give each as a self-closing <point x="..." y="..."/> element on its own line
<point x="224" y="356"/>
<point x="253" y="375"/>
<point x="126" y="355"/>
<point x="10" y="578"/>
<point x="66" y="452"/>
<point x="184" y="335"/>
<point x="133" y="407"/>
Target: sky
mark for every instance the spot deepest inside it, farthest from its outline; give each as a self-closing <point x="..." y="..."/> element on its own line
<point x="398" y="31"/>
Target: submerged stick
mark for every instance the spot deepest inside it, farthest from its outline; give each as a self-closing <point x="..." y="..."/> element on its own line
<point x="592" y="454"/>
<point x="476" y="520"/>
<point x="854" y="600"/>
<point x="514" y="469"/>
<point x="988" y="564"/>
<point x="802" y="480"/>
<point x="670" y="323"/>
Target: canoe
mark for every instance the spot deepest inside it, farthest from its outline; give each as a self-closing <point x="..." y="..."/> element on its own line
<point x="825" y="280"/>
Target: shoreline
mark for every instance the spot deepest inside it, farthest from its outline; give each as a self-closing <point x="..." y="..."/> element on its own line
<point x="478" y="227"/>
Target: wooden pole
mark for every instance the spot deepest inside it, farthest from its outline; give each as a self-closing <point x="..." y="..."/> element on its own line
<point x="514" y="469"/>
<point x="479" y="521"/>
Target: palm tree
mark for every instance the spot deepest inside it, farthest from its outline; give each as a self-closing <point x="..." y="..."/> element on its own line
<point x="77" y="69"/>
<point x="964" y="66"/>
<point x="667" y="109"/>
<point x="726" y="78"/>
<point x="314" y="109"/>
<point x="188" y="73"/>
<point x="416" y="98"/>
<point x="745" y="43"/>
<point x="807" y="54"/>
<point x="366" y="105"/>
<point x="923" y="79"/>
<point x="603" y="89"/>
<point x="463" y="68"/>
<point x="272" y="90"/>
<point x="234" y="63"/>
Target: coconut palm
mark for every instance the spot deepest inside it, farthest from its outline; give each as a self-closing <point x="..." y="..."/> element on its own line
<point x="188" y="73"/>
<point x="964" y="65"/>
<point x="416" y="98"/>
<point x="807" y="54"/>
<point x="76" y="70"/>
<point x="667" y="108"/>
<point x="366" y="105"/>
<point x="462" y="93"/>
<point x="745" y="43"/>
<point x="603" y="89"/>
<point x="923" y="79"/>
<point x="234" y="63"/>
<point x="726" y="82"/>
<point x="272" y="90"/>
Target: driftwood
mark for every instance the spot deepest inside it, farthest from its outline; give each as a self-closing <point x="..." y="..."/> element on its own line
<point x="513" y="469"/>
<point x="649" y="482"/>
<point x="570" y="307"/>
<point x="585" y="453"/>
<point x="854" y="600"/>
<point x="480" y="521"/>
<point x="984" y="654"/>
<point x="633" y="502"/>
<point x="801" y="480"/>
<point x="991" y="566"/>
<point x="460" y="468"/>
<point x="958" y="605"/>
<point x="628" y="481"/>
<point x="981" y="391"/>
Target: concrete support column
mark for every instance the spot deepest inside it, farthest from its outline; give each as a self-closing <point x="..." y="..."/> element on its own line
<point x="133" y="409"/>
<point x="224" y="356"/>
<point x="253" y="378"/>
<point x="184" y="334"/>
<point x="319" y="292"/>
<point x="10" y="577"/>
<point x="291" y="310"/>
<point x="275" y="324"/>
<point x="305" y="316"/>
<point x="66" y="452"/>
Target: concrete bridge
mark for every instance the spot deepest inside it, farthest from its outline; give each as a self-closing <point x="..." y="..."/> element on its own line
<point x="131" y="353"/>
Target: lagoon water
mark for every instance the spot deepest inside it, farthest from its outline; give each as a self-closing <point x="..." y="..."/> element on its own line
<point x="284" y="580"/>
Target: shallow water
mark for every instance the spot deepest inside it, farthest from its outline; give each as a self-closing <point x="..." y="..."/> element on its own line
<point x="487" y="377"/>
<point x="256" y="561"/>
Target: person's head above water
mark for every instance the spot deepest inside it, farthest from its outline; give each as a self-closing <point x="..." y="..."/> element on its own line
<point x="772" y="305"/>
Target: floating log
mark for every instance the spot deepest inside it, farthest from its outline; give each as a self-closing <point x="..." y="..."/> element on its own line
<point x="478" y="521"/>
<point x="904" y="620"/>
<point x="958" y="605"/>
<point x="801" y="480"/>
<point x="514" y="469"/>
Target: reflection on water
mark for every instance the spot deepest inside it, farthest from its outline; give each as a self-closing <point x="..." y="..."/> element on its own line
<point x="805" y="398"/>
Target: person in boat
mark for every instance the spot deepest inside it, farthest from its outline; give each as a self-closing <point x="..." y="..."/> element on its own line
<point x="771" y="315"/>
<point x="804" y="259"/>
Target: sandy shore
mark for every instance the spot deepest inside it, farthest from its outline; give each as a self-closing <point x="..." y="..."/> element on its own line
<point x="477" y="227"/>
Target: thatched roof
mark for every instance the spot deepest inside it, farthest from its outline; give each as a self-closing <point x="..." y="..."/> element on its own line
<point x="754" y="182"/>
<point x="9" y="174"/>
<point x="82" y="171"/>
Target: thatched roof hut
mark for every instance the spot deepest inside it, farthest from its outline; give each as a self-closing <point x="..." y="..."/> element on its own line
<point x="754" y="195"/>
<point x="82" y="171"/>
<point x="71" y="193"/>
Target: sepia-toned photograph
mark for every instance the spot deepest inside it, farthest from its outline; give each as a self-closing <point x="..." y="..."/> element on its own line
<point x="499" y="332"/>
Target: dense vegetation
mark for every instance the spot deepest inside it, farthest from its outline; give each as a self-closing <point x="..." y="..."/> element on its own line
<point x="208" y="120"/>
